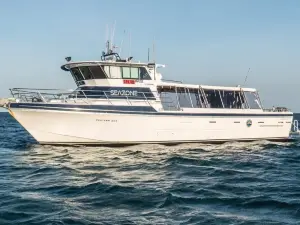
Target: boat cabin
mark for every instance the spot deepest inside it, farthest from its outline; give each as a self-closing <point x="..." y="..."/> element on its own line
<point x="117" y="78"/>
<point x="194" y="96"/>
<point x="111" y="68"/>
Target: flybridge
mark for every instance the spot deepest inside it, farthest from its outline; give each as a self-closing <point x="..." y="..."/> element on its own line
<point x="112" y="66"/>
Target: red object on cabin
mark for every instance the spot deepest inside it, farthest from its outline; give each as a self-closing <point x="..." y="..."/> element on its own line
<point x="128" y="81"/>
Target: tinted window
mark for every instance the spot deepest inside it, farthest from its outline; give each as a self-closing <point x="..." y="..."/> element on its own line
<point x="184" y="98"/>
<point x="144" y="74"/>
<point x="229" y="98"/>
<point x="169" y="99"/>
<point x="86" y="72"/>
<point x="197" y="99"/>
<point x="233" y="99"/>
<point x="213" y="98"/>
<point x="77" y="74"/>
<point x="97" y="72"/>
<point x="252" y="100"/>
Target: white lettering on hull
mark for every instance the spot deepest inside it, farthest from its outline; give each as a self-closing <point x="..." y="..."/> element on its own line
<point x="123" y="93"/>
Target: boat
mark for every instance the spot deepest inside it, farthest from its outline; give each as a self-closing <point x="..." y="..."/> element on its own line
<point x="121" y="101"/>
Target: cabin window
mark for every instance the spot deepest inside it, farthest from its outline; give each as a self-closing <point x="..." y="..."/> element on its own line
<point x="77" y="74"/>
<point x="107" y="70"/>
<point x="97" y="72"/>
<point x="233" y="99"/>
<point x="130" y="72"/>
<point x="173" y="98"/>
<point x="169" y="98"/>
<point x="213" y="98"/>
<point x="196" y="98"/>
<point x="144" y="74"/>
<point x="242" y="102"/>
<point x="229" y="98"/>
<point x="86" y="73"/>
<point x="125" y="72"/>
<point x="184" y="98"/>
<point x="252" y="100"/>
<point x="115" y="72"/>
<point x="134" y="73"/>
<point x="176" y="97"/>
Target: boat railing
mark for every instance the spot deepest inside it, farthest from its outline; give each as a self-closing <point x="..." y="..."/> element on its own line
<point x="171" y="81"/>
<point x="277" y="109"/>
<point x="88" y="97"/>
<point x="38" y="95"/>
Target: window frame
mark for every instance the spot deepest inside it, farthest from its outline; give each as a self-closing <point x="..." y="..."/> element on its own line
<point x="103" y="72"/>
<point x="74" y="76"/>
<point x="141" y="69"/>
<point x="88" y="69"/>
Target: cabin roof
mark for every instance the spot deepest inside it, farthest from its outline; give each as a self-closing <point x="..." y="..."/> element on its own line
<point x="205" y="87"/>
<point x="67" y="66"/>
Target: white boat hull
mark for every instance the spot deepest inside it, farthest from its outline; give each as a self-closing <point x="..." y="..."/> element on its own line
<point x="76" y="127"/>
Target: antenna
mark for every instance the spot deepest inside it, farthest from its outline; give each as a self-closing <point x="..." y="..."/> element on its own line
<point x="154" y="49"/>
<point x="106" y="36"/>
<point x="154" y="57"/>
<point x="129" y="44"/>
<point x="121" y="45"/>
<point x="148" y="53"/>
<point x="113" y="34"/>
<point x="246" y="77"/>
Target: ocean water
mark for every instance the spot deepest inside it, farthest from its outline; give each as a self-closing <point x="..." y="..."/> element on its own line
<point x="233" y="183"/>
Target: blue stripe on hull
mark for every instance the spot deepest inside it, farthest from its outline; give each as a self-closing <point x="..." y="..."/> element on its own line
<point x="91" y="108"/>
<point x="141" y="110"/>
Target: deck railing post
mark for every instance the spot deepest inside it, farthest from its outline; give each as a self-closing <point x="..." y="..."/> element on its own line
<point x="221" y="99"/>
<point x="178" y="105"/>
<point x="41" y="96"/>
<point x="107" y="97"/>
<point x="146" y="99"/>
<point x="87" y="100"/>
<point x="204" y="97"/>
<point x="189" y="96"/>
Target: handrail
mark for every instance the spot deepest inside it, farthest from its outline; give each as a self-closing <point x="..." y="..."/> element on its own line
<point x="107" y="98"/>
<point x="82" y="96"/>
<point x="93" y="96"/>
<point x="41" y="89"/>
<point x="175" y="81"/>
<point x="276" y="110"/>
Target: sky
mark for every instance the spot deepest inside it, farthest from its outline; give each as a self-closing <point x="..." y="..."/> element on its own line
<point x="208" y="42"/>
